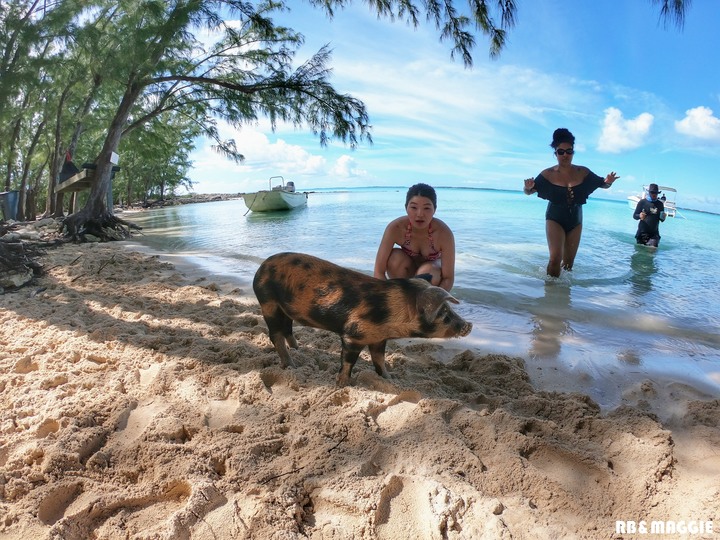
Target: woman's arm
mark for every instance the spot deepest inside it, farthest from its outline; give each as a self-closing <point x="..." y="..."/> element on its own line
<point x="447" y="261"/>
<point x="384" y="250"/>
<point x="609" y="179"/>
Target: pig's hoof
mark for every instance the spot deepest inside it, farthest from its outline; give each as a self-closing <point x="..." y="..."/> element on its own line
<point x="342" y="380"/>
<point x="287" y="364"/>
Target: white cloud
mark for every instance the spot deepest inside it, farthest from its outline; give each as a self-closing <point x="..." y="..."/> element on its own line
<point x="619" y="134"/>
<point x="261" y="152"/>
<point x="264" y="158"/>
<point x="346" y="167"/>
<point x="699" y="123"/>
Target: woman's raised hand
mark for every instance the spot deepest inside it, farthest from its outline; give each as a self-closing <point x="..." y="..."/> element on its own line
<point x="610" y="178"/>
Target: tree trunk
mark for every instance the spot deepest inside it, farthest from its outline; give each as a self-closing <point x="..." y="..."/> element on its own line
<point x="11" y="152"/>
<point x="96" y="218"/>
<point x="26" y="205"/>
<point x="53" y="206"/>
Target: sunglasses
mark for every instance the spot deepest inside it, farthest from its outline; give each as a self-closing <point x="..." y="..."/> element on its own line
<point x="561" y="152"/>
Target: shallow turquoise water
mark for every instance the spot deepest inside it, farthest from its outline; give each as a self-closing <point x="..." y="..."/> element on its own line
<point x="624" y="308"/>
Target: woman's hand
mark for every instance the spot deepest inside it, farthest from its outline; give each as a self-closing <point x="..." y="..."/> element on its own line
<point x="610" y="178"/>
<point x="529" y="186"/>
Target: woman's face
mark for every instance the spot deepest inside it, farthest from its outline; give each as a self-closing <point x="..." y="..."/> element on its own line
<point x="564" y="153"/>
<point x="420" y="210"/>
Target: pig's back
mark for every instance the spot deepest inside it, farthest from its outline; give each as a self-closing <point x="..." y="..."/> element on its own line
<point x="318" y="293"/>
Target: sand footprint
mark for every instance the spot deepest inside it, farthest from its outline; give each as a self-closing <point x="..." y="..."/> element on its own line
<point x="221" y="415"/>
<point x="147" y="376"/>
<point x="133" y="423"/>
<point x="280" y="383"/>
<point x="181" y="503"/>
<point x="571" y="471"/>
<point x="394" y="416"/>
<point x="54" y="505"/>
<point x="405" y="510"/>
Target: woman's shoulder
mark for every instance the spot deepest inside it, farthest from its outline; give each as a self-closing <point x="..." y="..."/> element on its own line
<point x="398" y="225"/>
<point x="439" y="226"/>
<point x="587" y="174"/>
<point x="401" y="221"/>
<point x="583" y="171"/>
<point x="547" y="173"/>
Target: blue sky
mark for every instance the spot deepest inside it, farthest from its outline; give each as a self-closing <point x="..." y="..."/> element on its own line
<point x="642" y="99"/>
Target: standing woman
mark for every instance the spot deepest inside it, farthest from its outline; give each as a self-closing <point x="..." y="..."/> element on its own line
<point x="426" y="244"/>
<point x="566" y="187"/>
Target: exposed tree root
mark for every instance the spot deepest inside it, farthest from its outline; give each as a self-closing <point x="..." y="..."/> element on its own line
<point x="104" y="227"/>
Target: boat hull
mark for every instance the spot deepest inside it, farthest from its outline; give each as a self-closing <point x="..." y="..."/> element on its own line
<point x="275" y="200"/>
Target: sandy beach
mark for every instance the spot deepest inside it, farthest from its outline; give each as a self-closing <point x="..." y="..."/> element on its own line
<point x="141" y="400"/>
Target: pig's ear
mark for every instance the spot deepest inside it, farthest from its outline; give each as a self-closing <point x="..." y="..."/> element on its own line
<point x="431" y="300"/>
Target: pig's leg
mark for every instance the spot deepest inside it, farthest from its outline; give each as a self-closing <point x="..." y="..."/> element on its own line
<point x="288" y="333"/>
<point x="348" y="357"/>
<point x="278" y="324"/>
<point x="377" y="354"/>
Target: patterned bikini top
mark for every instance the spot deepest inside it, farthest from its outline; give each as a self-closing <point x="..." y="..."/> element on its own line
<point x="434" y="256"/>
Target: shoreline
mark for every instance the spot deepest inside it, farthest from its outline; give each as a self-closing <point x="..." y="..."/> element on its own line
<point x="588" y="337"/>
<point x="611" y="385"/>
<point x="144" y="399"/>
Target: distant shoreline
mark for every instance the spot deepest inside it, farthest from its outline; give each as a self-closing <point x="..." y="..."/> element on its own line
<point x="191" y="198"/>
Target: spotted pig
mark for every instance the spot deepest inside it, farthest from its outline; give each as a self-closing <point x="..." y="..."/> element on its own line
<point x="363" y="310"/>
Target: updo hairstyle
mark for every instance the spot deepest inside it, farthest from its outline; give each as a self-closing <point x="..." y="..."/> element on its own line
<point x="562" y="135"/>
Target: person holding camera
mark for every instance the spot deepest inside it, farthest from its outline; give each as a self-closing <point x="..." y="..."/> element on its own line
<point x="650" y="211"/>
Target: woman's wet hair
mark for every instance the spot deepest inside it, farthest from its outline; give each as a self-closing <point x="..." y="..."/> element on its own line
<point x="562" y="135"/>
<point x="421" y="190"/>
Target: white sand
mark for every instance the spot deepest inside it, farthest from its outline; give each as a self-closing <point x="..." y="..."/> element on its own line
<point x="139" y="402"/>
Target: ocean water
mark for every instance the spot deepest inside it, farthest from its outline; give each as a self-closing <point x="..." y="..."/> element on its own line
<point x="625" y="311"/>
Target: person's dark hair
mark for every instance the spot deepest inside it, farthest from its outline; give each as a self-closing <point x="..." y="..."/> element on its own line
<point x="562" y="135"/>
<point x="421" y="190"/>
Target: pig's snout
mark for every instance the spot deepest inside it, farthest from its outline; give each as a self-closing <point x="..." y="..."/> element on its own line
<point x="459" y="328"/>
<point x="464" y="328"/>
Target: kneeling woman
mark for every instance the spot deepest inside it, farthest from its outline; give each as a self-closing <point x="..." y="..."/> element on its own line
<point x="426" y="244"/>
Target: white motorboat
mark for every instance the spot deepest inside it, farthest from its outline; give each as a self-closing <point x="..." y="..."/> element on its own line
<point x="280" y="197"/>
<point x="667" y="195"/>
